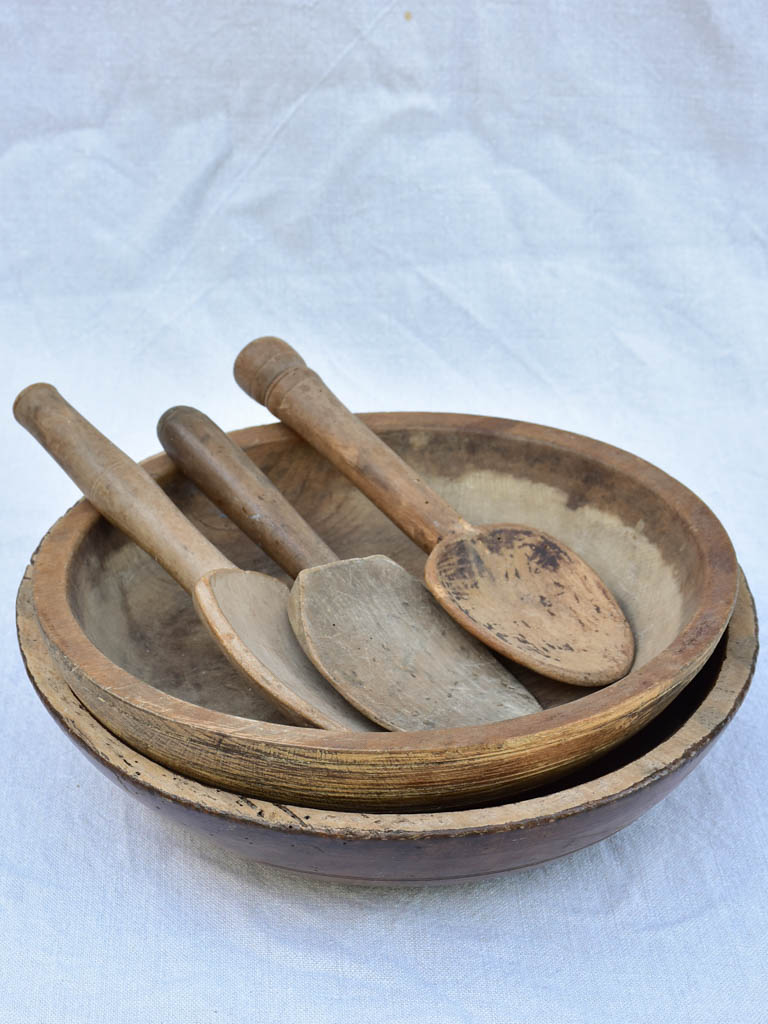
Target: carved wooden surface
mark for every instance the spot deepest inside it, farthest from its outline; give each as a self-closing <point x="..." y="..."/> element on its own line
<point x="376" y="633"/>
<point x="246" y="613"/>
<point x="534" y="594"/>
<point x="372" y="630"/>
<point x="240" y="489"/>
<point x="522" y="592"/>
<point x="137" y="656"/>
<point x="423" y="848"/>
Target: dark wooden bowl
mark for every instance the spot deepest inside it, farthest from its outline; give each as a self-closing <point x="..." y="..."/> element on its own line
<point x="129" y="645"/>
<point x="421" y="848"/>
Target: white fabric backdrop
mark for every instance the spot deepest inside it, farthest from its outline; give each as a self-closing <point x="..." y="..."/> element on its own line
<point x="549" y="211"/>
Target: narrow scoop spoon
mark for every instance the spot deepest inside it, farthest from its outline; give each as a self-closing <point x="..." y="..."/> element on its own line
<point x="246" y="612"/>
<point x="518" y="590"/>
<point x="370" y="628"/>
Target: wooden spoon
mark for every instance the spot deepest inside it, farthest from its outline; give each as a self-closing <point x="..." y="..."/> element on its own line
<point x="246" y="612"/>
<point x="371" y="629"/>
<point x="520" y="591"/>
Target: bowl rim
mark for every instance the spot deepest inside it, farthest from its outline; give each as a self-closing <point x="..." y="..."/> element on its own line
<point x="136" y="771"/>
<point x="634" y="698"/>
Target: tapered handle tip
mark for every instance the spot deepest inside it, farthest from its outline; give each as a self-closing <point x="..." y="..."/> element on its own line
<point x="261" y="363"/>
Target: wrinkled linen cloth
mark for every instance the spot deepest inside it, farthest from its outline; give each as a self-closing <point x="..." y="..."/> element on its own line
<point x="546" y="211"/>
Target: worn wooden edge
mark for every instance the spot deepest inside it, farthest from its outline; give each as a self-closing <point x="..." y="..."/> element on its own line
<point x="609" y="651"/>
<point x="702" y="632"/>
<point x="449" y="756"/>
<point x="508" y="754"/>
<point x="432" y="699"/>
<point x="245" y="657"/>
<point x="674" y="756"/>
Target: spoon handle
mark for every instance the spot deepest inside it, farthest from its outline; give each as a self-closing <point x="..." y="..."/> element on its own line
<point x="223" y="471"/>
<point x="270" y="371"/>
<point x="119" y="488"/>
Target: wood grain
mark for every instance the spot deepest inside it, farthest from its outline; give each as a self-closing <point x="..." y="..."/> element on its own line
<point x="121" y="490"/>
<point x="246" y="613"/>
<point x="531" y="593"/>
<point x="520" y="591"/>
<point x="371" y="629"/>
<point x="240" y="489"/>
<point x="417" y="848"/>
<point x="377" y="635"/>
<point x="132" y="655"/>
<point x="274" y="374"/>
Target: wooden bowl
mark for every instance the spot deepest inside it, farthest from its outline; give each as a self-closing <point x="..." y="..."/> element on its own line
<point x="437" y="847"/>
<point x="129" y="645"/>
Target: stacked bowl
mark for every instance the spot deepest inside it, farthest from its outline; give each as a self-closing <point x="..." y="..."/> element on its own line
<point x="119" y="657"/>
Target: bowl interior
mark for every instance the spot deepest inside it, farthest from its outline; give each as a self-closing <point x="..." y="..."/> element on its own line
<point x="628" y="531"/>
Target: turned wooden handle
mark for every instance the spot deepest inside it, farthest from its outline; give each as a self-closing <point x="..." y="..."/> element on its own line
<point x="121" y="490"/>
<point x="270" y="371"/>
<point x="240" y="489"/>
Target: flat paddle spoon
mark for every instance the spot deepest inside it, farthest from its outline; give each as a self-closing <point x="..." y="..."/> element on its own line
<point x="518" y="590"/>
<point x="246" y="612"/>
<point x="372" y="630"/>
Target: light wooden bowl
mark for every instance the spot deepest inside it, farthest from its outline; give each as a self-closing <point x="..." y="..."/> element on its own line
<point x="421" y="848"/>
<point x="128" y="643"/>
